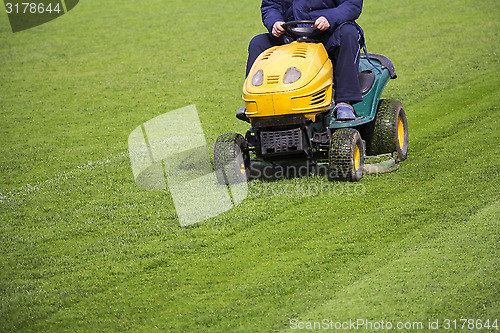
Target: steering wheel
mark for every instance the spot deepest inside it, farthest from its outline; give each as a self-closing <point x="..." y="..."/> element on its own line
<point x="302" y="30"/>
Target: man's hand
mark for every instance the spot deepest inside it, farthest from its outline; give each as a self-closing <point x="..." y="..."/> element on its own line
<point x="322" y="23"/>
<point x="278" y="29"/>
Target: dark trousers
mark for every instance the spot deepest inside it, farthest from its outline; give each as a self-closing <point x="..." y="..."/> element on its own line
<point x="345" y="59"/>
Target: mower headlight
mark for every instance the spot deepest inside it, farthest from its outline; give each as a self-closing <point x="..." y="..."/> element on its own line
<point x="292" y="75"/>
<point x="258" y="78"/>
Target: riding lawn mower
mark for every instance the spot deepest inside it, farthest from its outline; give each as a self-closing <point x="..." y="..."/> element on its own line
<point x="289" y="102"/>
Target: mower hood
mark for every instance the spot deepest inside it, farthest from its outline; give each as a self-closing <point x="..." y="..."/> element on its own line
<point x="289" y="79"/>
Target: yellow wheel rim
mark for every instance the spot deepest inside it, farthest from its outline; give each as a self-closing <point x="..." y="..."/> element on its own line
<point x="357" y="158"/>
<point x="242" y="168"/>
<point x="401" y="132"/>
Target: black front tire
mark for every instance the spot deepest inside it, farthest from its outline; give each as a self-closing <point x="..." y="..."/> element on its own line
<point x="231" y="159"/>
<point x="346" y="155"/>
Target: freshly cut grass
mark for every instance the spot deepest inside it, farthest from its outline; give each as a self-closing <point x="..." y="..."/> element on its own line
<point x="439" y="270"/>
<point x="82" y="248"/>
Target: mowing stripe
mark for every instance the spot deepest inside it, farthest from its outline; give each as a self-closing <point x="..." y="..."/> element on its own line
<point x="58" y="179"/>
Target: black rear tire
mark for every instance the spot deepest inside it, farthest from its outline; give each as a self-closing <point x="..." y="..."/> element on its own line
<point x="389" y="132"/>
<point x="231" y="159"/>
<point x="346" y="155"/>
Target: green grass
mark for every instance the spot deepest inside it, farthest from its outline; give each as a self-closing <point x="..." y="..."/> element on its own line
<point x="82" y="248"/>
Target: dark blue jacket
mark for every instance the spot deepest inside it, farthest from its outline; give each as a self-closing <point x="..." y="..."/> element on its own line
<point x="337" y="12"/>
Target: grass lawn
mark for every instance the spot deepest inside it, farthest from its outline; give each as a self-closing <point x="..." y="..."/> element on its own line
<point x="82" y="248"/>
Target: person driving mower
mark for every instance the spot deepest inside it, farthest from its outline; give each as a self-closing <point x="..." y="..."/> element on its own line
<point x="342" y="39"/>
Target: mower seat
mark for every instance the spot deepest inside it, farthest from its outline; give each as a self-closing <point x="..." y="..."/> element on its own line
<point x="366" y="80"/>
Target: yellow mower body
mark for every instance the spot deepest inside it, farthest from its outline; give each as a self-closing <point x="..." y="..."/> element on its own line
<point x="292" y="79"/>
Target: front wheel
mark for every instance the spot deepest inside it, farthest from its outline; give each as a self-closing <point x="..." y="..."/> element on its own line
<point x="231" y="159"/>
<point x="346" y="155"/>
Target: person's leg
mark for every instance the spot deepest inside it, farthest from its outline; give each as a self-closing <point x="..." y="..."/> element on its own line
<point x="259" y="44"/>
<point x="346" y="66"/>
<point x="345" y="59"/>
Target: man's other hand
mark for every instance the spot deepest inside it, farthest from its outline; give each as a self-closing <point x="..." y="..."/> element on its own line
<point x="278" y="29"/>
<point x="322" y="23"/>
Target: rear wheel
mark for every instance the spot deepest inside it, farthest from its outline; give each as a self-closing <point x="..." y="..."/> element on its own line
<point x="346" y="155"/>
<point x="231" y="159"/>
<point x="390" y="130"/>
